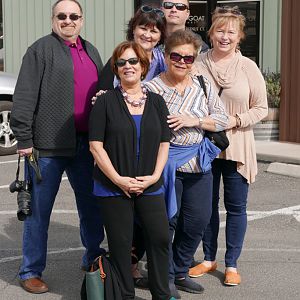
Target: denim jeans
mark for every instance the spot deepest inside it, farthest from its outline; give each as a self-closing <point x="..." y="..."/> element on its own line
<point x="194" y="197"/>
<point x="79" y="170"/>
<point x="235" y="201"/>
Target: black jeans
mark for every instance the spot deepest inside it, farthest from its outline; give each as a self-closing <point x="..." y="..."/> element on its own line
<point x="118" y="215"/>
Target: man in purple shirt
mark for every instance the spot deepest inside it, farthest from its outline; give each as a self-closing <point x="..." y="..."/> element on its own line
<point x="51" y="106"/>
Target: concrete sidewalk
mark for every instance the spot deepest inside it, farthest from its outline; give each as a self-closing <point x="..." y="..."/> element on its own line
<point x="284" y="157"/>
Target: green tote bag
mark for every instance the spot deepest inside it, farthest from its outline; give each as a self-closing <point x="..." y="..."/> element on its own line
<point x="95" y="282"/>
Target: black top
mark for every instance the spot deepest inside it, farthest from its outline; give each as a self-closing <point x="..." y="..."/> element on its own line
<point x="112" y="124"/>
<point x="43" y="102"/>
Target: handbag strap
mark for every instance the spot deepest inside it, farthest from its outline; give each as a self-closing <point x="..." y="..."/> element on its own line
<point x="203" y="86"/>
<point x="101" y="270"/>
<point x="102" y="274"/>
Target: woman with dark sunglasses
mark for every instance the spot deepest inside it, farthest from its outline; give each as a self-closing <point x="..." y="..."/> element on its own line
<point x="129" y="139"/>
<point x="244" y="96"/>
<point x="147" y="28"/>
<point x="188" y="178"/>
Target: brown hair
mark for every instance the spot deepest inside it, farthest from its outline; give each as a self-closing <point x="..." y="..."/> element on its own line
<point x="149" y="19"/>
<point x="225" y="14"/>
<point x="182" y="37"/>
<point x="58" y="1"/>
<point x="140" y="53"/>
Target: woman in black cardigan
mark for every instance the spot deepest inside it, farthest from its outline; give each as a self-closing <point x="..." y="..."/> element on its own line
<point x="129" y="139"/>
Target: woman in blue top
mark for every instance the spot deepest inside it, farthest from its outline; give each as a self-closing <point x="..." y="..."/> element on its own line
<point x="129" y="139"/>
<point x="146" y="28"/>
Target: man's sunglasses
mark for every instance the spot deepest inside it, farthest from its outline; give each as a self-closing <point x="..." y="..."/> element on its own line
<point x="149" y="9"/>
<point x="179" y="6"/>
<point x="122" y="62"/>
<point x="72" y="17"/>
<point x="226" y="10"/>
<point x="188" y="59"/>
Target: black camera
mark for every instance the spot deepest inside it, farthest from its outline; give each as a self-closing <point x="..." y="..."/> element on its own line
<point x="23" y="187"/>
<point x="23" y="198"/>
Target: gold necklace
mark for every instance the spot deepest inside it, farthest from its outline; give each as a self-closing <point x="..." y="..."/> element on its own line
<point x="181" y="88"/>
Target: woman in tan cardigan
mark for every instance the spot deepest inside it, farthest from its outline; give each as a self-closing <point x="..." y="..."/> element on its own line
<point x="243" y="93"/>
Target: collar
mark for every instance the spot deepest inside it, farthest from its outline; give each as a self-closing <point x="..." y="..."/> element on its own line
<point x="78" y="44"/>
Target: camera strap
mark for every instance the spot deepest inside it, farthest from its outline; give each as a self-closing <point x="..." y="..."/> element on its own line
<point x="18" y="168"/>
<point x="32" y="160"/>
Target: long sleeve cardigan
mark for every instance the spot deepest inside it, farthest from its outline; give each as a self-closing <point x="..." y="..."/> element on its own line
<point x="43" y="110"/>
<point x="244" y="94"/>
<point x="112" y="124"/>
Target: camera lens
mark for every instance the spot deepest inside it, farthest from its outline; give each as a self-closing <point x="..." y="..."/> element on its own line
<point x="24" y="201"/>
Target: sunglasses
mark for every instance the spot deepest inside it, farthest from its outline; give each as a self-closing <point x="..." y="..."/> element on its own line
<point x="72" y="17"/>
<point x="188" y="59"/>
<point x="122" y="62"/>
<point x="225" y="10"/>
<point x="149" y="9"/>
<point x="179" y="6"/>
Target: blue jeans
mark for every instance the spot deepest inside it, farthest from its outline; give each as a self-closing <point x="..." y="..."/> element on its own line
<point x="194" y="197"/>
<point x="235" y="201"/>
<point x="79" y="170"/>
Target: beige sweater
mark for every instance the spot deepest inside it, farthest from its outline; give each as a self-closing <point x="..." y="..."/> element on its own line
<point x="244" y="94"/>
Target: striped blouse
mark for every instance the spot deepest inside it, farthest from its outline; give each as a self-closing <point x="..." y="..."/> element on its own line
<point x="195" y="104"/>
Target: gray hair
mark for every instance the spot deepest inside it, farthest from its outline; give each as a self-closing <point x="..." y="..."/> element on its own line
<point x="58" y="1"/>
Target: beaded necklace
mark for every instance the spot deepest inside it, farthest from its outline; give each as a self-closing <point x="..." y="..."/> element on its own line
<point x="132" y="102"/>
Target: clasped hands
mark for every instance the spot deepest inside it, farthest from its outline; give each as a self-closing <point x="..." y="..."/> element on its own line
<point x="137" y="185"/>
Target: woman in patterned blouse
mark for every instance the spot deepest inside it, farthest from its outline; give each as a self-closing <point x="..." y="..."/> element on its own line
<point x="188" y="177"/>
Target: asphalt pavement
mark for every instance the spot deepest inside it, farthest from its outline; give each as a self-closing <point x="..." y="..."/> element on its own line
<point x="269" y="264"/>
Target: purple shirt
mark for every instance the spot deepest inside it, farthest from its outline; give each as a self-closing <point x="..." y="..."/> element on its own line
<point x="85" y="84"/>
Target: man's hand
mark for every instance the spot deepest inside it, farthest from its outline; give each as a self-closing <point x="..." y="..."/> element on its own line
<point x="25" y="152"/>
<point x="97" y="94"/>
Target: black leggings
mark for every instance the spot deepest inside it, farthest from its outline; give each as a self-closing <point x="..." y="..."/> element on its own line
<point x="118" y="216"/>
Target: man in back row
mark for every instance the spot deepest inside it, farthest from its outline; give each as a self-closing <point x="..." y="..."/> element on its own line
<point x="51" y="106"/>
<point x="177" y="13"/>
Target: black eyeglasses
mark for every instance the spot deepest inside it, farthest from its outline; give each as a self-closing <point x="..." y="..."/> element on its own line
<point x="149" y="9"/>
<point x="179" y="6"/>
<point x="72" y="17"/>
<point x="227" y="9"/>
<point x="188" y="59"/>
<point x="122" y="62"/>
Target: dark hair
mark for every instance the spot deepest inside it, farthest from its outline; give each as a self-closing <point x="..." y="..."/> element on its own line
<point x="148" y="19"/>
<point x="140" y="53"/>
<point x="58" y="1"/>
<point x="223" y="15"/>
<point x="182" y="37"/>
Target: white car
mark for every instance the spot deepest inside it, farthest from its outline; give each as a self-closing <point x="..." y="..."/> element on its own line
<point x="8" y="142"/>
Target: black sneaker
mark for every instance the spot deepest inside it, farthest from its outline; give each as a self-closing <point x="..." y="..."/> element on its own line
<point x="173" y="290"/>
<point x="188" y="285"/>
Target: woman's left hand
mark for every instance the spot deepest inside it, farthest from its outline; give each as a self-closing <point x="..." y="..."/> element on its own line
<point x="146" y="181"/>
<point x="179" y="121"/>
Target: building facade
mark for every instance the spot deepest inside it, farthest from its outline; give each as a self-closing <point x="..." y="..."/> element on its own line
<point x="24" y="21"/>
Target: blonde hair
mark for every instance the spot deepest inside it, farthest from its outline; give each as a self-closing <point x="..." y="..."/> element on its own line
<point x="224" y="15"/>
